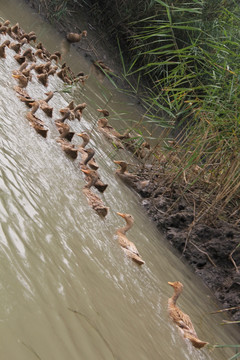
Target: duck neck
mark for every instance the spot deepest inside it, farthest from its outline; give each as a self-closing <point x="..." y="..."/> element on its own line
<point x="89" y="157"/>
<point x="34" y="108"/>
<point x="85" y="142"/>
<point x="123" y="168"/>
<point x="65" y="116"/>
<point x="175" y="296"/>
<point x="50" y="95"/>
<point x="102" y="122"/>
<point x="64" y="132"/>
<point x="125" y="228"/>
<point x="91" y="182"/>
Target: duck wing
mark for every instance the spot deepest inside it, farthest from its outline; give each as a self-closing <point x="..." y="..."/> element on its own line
<point x="182" y="319"/>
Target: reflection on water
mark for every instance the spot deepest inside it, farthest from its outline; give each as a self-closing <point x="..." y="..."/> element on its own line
<point x="67" y="290"/>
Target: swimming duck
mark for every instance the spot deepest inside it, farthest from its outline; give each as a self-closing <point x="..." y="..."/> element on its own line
<point x="2" y="49"/>
<point x="3" y="29"/>
<point x="128" y="178"/>
<point x="108" y="131"/>
<point x="64" y="130"/>
<point x="24" y="71"/>
<point x="94" y="201"/>
<point x="6" y="23"/>
<point x="87" y="160"/>
<point x="56" y="56"/>
<point x="39" y="68"/>
<point x="45" y="52"/>
<point x="29" y="54"/>
<point x="74" y="37"/>
<point x="22" y="80"/>
<point x="16" y="31"/>
<point x="78" y="110"/>
<point x="128" y="246"/>
<point x="31" y="36"/>
<point x="62" y="74"/>
<point x="24" y="96"/>
<point x="104" y="112"/>
<point x="86" y="154"/>
<point x="31" y="114"/>
<point x="47" y="66"/>
<point x="44" y="104"/>
<point x="43" y="78"/>
<point x="66" y="115"/>
<point x="68" y="148"/>
<point x="80" y="78"/>
<point x="102" y="66"/>
<point x="52" y="70"/>
<point x="182" y="320"/>
<point x="36" y="123"/>
<point x="39" y="54"/>
<point x="86" y="138"/>
<point x="16" y="46"/>
<point x="19" y="58"/>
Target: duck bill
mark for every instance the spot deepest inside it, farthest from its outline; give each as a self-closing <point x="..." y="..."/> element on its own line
<point x="16" y="76"/>
<point x="79" y="135"/>
<point x="116" y="162"/>
<point x="85" y="171"/>
<point x="120" y="214"/>
<point x="170" y="283"/>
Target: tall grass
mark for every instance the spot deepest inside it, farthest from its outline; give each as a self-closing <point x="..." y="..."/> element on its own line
<point x="184" y="63"/>
<point x="188" y="56"/>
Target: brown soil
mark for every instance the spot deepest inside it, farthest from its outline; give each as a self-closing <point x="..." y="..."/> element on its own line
<point x="206" y="248"/>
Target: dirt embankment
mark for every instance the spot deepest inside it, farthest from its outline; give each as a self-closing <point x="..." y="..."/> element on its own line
<point x="208" y="249"/>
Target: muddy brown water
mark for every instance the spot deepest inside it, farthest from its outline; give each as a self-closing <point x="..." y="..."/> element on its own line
<point x="67" y="291"/>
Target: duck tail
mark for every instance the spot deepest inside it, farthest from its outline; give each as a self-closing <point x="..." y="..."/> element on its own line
<point x="197" y="343"/>
<point x="134" y="256"/>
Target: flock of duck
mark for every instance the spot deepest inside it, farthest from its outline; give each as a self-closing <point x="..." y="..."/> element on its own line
<point x="37" y="59"/>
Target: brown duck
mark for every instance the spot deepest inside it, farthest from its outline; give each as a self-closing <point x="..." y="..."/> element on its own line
<point x="43" y="78"/>
<point x="104" y="112"/>
<point x="129" y="179"/>
<point x="65" y="115"/>
<point x="75" y="37"/>
<point x="15" y="46"/>
<point x="22" y="80"/>
<point x="35" y="122"/>
<point x="87" y="160"/>
<point x="24" y="96"/>
<point x="128" y="247"/>
<point x="2" y="49"/>
<point x="68" y="148"/>
<point x="64" y="130"/>
<point x="29" y="54"/>
<point x="44" y="104"/>
<point x="94" y="201"/>
<point x="86" y="154"/>
<point x="181" y="319"/>
<point x="110" y="133"/>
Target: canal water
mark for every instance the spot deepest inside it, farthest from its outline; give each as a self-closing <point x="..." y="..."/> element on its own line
<point x="67" y="290"/>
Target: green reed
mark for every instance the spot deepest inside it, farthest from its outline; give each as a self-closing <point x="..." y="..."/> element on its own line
<point x="184" y="57"/>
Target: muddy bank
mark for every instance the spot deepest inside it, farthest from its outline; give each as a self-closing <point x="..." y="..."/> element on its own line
<point x="206" y="248"/>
